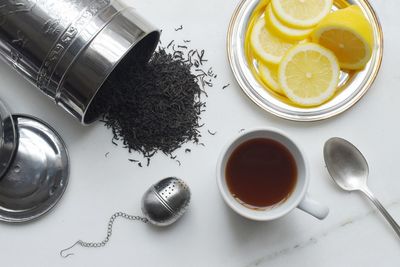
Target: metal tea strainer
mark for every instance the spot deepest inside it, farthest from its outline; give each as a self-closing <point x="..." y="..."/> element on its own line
<point x="162" y="205"/>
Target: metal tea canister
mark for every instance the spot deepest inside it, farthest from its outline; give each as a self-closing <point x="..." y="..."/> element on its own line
<point x="68" y="48"/>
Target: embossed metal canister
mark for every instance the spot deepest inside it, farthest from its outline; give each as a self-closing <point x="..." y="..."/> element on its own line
<point x="68" y="48"/>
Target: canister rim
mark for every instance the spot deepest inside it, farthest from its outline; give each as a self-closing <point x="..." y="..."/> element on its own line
<point x="151" y="38"/>
<point x="8" y="139"/>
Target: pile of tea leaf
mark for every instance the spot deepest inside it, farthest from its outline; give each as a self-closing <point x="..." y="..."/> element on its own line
<point x="157" y="106"/>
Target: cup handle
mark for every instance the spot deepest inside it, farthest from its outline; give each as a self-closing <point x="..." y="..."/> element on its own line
<point x="313" y="208"/>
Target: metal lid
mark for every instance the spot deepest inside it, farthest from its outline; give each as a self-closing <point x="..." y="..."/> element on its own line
<point x="38" y="175"/>
<point x="8" y="139"/>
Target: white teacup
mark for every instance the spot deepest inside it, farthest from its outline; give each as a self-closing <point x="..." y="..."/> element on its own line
<point x="297" y="199"/>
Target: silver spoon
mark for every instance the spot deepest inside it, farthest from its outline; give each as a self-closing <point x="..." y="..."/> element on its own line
<point x="349" y="169"/>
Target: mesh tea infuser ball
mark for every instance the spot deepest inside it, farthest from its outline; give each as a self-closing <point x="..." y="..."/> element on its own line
<point x="166" y="201"/>
<point x="162" y="205"/>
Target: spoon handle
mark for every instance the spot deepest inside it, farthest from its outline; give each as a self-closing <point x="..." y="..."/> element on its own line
<point x="384" y="212"/>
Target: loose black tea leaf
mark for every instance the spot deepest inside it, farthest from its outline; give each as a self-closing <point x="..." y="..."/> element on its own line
<point x="156" y="106"/>
<point x="106" y="155"/>
<point x="133" y="160"/>
<point x="187" y="150"/>
<point x="169" y="45"/>
<point x="225" y="86"/>
<point x="212" y="133"/>
<point x="180" y="28"/>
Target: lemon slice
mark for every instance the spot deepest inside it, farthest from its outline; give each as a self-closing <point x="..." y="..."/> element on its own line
<point x="269" y="75"/>
<point x="301" y="13"/>
<point x="283" y="30"/>
<point x="266" y="45"/>
<point x="349" y="35"/>
<point x="309" y="74"/>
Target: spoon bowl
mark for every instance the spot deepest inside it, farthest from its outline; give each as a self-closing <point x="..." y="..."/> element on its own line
<point x="346" y="165"/>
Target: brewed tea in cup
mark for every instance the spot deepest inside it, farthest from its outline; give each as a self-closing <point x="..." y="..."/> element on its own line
<point x="263" y="175"/>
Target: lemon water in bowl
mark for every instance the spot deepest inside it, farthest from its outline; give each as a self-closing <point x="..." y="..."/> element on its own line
<point x="298" y="73"/>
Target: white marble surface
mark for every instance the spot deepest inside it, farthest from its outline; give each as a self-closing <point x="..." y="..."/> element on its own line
<point x="210" y="234"/>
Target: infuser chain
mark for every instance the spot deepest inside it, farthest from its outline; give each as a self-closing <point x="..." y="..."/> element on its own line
<point x="109" y="233"/>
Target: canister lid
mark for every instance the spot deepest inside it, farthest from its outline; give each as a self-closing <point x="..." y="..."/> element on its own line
<point x="38" y="174"/>
<point x="8" y="139"/>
